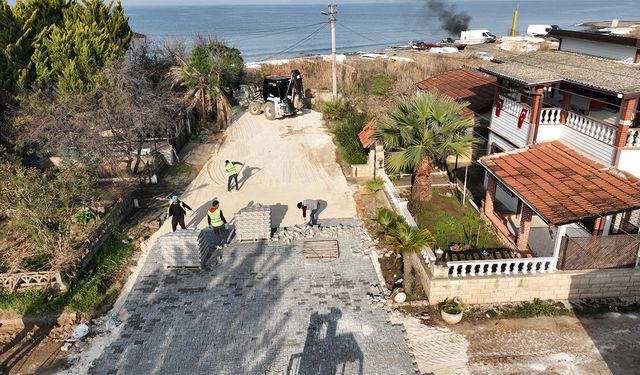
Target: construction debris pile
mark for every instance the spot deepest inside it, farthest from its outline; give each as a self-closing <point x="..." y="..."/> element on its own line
<point x="304" y="232"/>
<point x="377" y="298"/>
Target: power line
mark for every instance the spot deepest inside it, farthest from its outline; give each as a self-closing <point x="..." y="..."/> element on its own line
<point x="277" y="32"/>
<point x="324" y="24"/>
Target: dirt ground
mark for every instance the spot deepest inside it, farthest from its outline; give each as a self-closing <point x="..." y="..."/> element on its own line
<point x="600" y="344"/>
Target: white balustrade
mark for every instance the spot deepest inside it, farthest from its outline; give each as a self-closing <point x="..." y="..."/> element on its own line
<point x="633" y="138"/>
<point x="550" y="116"/>
<point x="515" y="108"/>
<point x="502" y="266"/>
<point x="593" y="128"/>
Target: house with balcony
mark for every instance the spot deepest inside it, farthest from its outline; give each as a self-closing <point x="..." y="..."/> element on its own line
<point x="564" y="152"/>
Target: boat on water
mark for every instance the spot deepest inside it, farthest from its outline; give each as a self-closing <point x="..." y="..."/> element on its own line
<point x="423" y="45"/>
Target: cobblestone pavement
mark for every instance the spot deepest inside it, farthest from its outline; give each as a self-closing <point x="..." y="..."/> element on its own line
<point x="263" y="310"/>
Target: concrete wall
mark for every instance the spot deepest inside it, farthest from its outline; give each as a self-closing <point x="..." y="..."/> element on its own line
<point x="629" y="162"/>
<point x="559" y="285"/>
<point x="593" y="48"/>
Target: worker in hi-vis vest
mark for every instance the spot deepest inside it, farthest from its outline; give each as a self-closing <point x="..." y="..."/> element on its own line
<point x="177" y="210"/>
<point x="216" y="220"/>
<point x="232" y="172"/>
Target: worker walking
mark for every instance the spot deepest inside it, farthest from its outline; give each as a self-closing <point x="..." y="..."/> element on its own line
<point x="312" y="205"/>
<point x="177" y="210"/>
<point x="232" y="172"/>
<point x="216" y="220"/>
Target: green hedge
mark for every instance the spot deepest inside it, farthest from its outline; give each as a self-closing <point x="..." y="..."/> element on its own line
<point x="346" y="132"/>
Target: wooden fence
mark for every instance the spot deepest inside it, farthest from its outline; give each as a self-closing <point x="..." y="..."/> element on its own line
<point x="615" y="251"/>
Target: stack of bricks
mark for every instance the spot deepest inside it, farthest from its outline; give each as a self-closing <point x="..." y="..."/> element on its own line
<point x="187" y="248"/>
<point x="253" y="223"/>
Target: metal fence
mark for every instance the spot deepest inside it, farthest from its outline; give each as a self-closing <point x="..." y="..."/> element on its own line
<point x="597" y="252"/>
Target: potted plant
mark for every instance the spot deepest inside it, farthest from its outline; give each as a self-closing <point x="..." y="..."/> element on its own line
<point x="451" y="310"/>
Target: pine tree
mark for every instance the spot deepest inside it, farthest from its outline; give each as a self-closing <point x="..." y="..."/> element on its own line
<point x="67" y="56"/>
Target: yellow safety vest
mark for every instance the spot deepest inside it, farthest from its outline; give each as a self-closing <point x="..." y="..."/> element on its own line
<point x="216" y="220"/>
<point x="231" y="169"/>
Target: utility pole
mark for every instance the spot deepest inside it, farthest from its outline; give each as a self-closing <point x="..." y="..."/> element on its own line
<point x="332" y="19"/>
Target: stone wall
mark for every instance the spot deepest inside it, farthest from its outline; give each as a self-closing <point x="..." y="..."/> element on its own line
<point x="560" y="285"/>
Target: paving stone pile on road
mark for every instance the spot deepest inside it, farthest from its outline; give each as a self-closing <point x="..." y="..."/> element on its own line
<point x="186" y="248"/>
<point x="262" y="310"/>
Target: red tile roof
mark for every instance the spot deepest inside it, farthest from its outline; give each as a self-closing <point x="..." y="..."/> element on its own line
<point x="464" y="85"/>
<point x="366" y="135"/>
<point x="562" y="185"/>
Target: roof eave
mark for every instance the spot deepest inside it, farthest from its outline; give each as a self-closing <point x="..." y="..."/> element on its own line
<point x="521" y="81"/>
<point x="516" y="193"/>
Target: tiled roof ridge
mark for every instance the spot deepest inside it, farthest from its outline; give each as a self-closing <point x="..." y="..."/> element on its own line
<point x="563" y="147"/>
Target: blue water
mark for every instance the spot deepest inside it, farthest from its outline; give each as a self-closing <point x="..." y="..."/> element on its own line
<point x="277" y="31"/>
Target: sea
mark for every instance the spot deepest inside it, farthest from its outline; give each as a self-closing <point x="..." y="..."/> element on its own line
<point x="277" y="31"/>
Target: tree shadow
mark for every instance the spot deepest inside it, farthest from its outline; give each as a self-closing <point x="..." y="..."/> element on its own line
<point x="247" y="173"/>
<point x="325" y="352"/>
<point x="207" y="312"/>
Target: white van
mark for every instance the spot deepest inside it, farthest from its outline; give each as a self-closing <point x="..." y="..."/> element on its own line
<point x="476" y="37"/>
<point x="540" y="30"/>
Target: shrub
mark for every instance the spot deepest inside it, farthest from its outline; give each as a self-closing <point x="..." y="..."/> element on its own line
<point x="375" y="184"/>
<point x="451" y="305"/>
<point x="380" y="85"/>
<point x="387" y="219"/>
<point x="346" y="133"/>
<point x="336" y="109"/>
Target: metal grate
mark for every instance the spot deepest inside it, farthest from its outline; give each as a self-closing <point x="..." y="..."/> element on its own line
<point x="322" y="249"/>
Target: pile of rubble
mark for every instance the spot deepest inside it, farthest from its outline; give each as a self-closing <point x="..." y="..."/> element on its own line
<point x="303" y="232"/>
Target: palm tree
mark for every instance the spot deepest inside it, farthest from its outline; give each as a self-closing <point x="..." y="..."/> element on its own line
<point x="420" y="131"/>
<point x="211" y="73"/>
<point x="408" y="241"/>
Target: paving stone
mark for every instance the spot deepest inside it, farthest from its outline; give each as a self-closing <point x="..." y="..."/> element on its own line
<point x="263" y="309"/>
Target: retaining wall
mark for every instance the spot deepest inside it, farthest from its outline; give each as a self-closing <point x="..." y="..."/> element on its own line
<point x="559" y="285"/>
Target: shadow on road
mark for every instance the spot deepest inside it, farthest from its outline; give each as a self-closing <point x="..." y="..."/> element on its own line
<point x="325" y="352"/>
<point x="198" y="319"/>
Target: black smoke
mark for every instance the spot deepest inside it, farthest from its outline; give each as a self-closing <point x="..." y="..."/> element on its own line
<point x="450" y="20"/>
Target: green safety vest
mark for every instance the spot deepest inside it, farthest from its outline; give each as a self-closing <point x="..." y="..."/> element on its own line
<point x="216" y="220"/>
<point x="231" y="169"/>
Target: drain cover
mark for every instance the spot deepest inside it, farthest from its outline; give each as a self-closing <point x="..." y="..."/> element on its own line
<point x="323" y="249"/>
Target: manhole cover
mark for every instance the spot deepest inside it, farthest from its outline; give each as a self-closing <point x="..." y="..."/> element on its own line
<point x="324" y="249"/>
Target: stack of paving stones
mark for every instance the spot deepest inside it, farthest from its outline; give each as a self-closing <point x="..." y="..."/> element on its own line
<point x="187" y="248"/>
<point x="253" y="224"/>
<point x="353" y="230"/>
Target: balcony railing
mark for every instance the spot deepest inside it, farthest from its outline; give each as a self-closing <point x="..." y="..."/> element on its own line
<point x="633" y="138"/>
<point x="502" y="266"/>
<point x="593" y="128"/>
<point x="550" y="116"/>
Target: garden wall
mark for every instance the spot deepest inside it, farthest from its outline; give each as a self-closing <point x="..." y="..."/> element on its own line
<point x="560" y="285"/>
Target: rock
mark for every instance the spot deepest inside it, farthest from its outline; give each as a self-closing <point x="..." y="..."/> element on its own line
<point x="400" y="297"/>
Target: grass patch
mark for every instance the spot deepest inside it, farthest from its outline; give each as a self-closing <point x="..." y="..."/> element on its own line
<point x="379" y="85"/>
<point x="98" y="285"/>
<point x="536" y="308"/>
<point x="451" y="223"/>
<point x="181" y="167"/>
